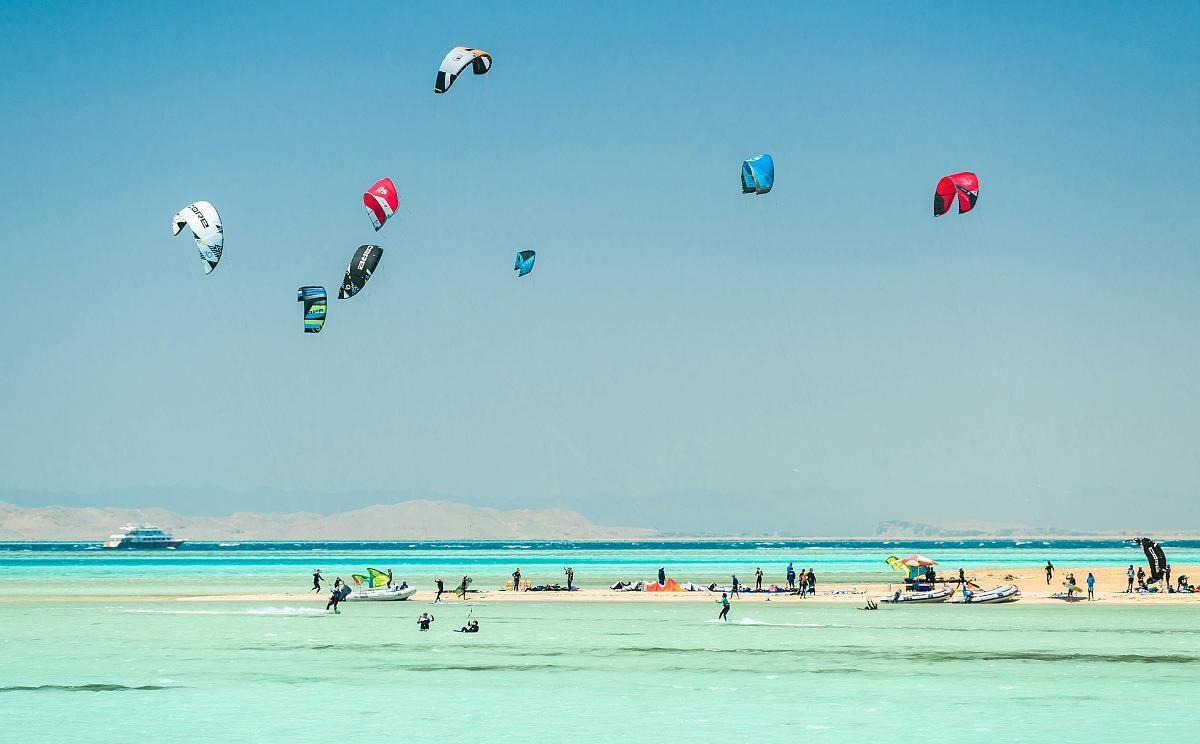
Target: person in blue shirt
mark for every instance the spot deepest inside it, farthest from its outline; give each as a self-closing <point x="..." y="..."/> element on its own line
<point x="791" y="577"/>
<point x="735" y="585"/>
<point x="1091" y="582"/>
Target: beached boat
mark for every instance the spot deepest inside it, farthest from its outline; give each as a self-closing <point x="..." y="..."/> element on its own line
<point x="933" y="595"/>
<point x="382" y="594"/>
<point x="996" y="595"/>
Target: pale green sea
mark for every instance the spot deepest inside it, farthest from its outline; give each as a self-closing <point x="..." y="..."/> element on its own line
<point x="97" y="670"/>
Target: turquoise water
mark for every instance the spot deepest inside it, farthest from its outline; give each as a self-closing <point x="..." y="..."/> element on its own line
<point x="633" y="672"/>
<point x="101" y="670"/>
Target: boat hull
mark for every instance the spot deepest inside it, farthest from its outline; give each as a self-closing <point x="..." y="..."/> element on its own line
<point x="998" y="595"/>
<point x="381" y="595"/>
<point x="129" y="545"/>
<point x="929" y="597"/>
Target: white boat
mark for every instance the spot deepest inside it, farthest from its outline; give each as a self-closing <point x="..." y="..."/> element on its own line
<point x="996" y="595"/>
<point x="383" y="594"/>
<point x="933" y="595"/>
<point x="143" y="537"/>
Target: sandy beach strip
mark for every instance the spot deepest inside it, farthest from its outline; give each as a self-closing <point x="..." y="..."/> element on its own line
<point x="1110" y="585"/>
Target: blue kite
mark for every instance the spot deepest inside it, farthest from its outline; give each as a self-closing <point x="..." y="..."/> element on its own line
<point x="758" y="175"/>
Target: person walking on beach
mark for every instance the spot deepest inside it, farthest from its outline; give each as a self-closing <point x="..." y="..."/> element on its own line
<point x="1049" y="572"/>
<point x="570" y="579"/>
<point x="517" y="580"/>
<point x="735" y="585"/>
<point x="1129" y="576"/>
<point x="758" y="579"/>
<point x="1091" y="582"/>
<point x="466" y="581"/>
<point x="791" y="577"/>
<point x="440" y="588"/>
<point x="662" y="575"/>
<point x="317" y="581"/>
<point x="812" y="583"/>
<point x="724" y="602"/>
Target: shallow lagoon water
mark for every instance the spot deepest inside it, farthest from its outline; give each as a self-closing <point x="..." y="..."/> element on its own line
<point x="636" y="672"/>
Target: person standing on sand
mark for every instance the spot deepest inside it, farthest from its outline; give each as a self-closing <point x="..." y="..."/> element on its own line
<point x="1129" y="575"/>
<point x="1049" y="572"/>
<point x="962" y="578"/>
<point x="317" y="581"/>
<point x="724" y="602"/>
<point x="812" y="582"/>
<point x="662" y="575"/>
<point x="791" y="577"/>
<point x="466" y="581"/>
<point x="1141" y="574"/>
<point x="389" y="584"/>
<point x="1091" y="582"/>
<point x="517" y="580"/>
<point x="570" y="579"/>
<point x="735" y="585"/>
<point x="758" y="578"/>
<point x="440" y="587"/>
<point x="1167" y="576"/>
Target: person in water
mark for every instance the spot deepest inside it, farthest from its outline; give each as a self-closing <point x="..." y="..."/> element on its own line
<point x="424" y="620"/>
<point x="662" y="575"/>
<point x="440" y="588"/>
<point x="472" y="626"/>
<point x="1049" y="572"/>
<point x="724" y="602"/>
<point x="758" y="578"/>
<point x="335" y="596"/>
<point x="871" y="605"/>
<point x="1091" y="582"/>
<point x="317" y="581"/>
<point x="570" y="572"/>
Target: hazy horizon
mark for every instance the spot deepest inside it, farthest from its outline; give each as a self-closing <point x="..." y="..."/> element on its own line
<point x="818" y="359"/>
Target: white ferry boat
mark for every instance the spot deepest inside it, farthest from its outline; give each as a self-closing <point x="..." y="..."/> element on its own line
<point x="143" y="537"/>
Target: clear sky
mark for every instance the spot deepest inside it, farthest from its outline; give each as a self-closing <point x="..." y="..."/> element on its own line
<point x="813" y="360"/>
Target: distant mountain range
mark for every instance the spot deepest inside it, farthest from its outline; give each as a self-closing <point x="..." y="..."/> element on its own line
<point x="407" y="520"/>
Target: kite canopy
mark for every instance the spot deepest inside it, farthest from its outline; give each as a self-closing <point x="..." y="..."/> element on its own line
<point x="758" y="174"/>
<point x="358" y="273"/>
<point x="381" y="201"/>
<point x="316" y="305"/>
<point x="205" y="223"/>
<point x="1155" y="557"/>
<point x="456" y="61"/>
<point x="965" y="184"/>
<point x="524" y="263"/>
<point x="373" y="579"/>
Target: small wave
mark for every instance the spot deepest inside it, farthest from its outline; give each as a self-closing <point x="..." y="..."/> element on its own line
<point x="281" y="611"/>
<point x="752" y="621"/>
<point x="96" y="687"/>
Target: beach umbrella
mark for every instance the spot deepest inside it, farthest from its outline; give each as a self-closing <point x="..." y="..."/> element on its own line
<point x="918" y="560"/>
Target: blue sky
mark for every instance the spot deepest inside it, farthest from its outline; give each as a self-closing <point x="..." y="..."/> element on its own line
<point x="814" y="360"/>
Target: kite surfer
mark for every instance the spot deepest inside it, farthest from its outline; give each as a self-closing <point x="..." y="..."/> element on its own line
<point x="339" y="593"/>
<point x="472" y="626"/>
<point x="440" y="588"/>
<point x="317" y="581"/>
<point x="424" y="620"/>
<point x="724" y="602"/>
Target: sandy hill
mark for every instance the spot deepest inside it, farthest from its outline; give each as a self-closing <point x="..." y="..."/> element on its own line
<point x="407" y="520"/>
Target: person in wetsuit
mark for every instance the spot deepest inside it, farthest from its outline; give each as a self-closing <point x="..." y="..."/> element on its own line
<point x="724" y="602"/>
<point x="758" y="579"/>
<point x="736" y="584"/>
<point x="1049" y="572"/>
<point x="466" y="581"/>
<point x="472" y="626"/>
<point x="570" y="579"/>
<point x="662" y="575"/>
<point x="336" y="596"/>
<point x="517" y="580"/>
<point x="440" y="588"/>
<point x="317" y="581"/>
<point x="389" y="584"/>
<point x="424" y="620"/>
